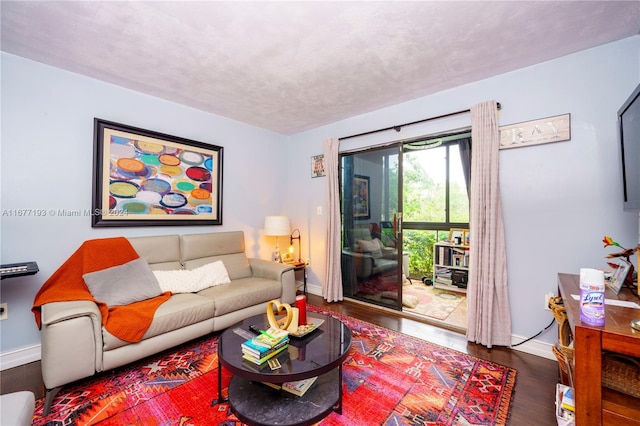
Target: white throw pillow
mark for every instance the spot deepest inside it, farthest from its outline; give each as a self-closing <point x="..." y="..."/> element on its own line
<point x="192" y="281"/>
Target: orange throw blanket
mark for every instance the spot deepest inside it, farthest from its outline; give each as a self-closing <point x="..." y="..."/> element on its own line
<point x="129" y="322"/>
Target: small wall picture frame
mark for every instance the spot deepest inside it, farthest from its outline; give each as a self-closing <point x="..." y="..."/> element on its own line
<point x="317" y="166"/>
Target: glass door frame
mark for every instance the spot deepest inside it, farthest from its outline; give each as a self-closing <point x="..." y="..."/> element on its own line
<point x="385" y="216"/>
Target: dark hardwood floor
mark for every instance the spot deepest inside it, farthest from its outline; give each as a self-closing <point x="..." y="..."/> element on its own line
<point x="534" y="398"/>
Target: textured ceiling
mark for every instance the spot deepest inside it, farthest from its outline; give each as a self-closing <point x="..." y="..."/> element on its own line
<point x="293" y="66"/>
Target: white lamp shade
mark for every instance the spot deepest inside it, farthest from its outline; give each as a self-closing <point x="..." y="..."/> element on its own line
<point x="276" y="226"/>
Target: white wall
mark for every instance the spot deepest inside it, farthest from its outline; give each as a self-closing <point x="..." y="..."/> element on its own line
<point x="46" y="160"/>
<point x="559" y="200"/>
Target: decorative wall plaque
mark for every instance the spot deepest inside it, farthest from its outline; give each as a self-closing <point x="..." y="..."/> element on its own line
<point x="536" y="132"/>
<point x="317" y="166"/>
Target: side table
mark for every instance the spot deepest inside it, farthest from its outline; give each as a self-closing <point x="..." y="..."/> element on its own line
<point x="596" y="404"/>
<point x="301" y="267"/>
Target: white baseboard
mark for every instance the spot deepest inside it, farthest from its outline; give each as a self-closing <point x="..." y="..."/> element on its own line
<point x="20" y="357"/>
<point x="533" y="347"/>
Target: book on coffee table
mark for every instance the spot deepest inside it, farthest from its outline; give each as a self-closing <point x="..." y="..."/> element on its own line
<point x="257" y="351"/>
<point x="270" y="338"/>
<point x="299" y="387"/>
<point x="260" y="361"/>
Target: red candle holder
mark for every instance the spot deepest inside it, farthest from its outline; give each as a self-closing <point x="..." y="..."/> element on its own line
<point x="301" y="304"/>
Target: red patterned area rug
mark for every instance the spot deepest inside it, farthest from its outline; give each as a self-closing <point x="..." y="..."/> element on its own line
<point x="389" y="379"/>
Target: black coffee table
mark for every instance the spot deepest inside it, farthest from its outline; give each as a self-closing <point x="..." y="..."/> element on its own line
<point x="320" y="353"/>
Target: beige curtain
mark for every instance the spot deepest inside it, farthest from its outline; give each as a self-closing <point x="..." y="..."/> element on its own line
<point x="332" y="286"/>
<point x="489" y="317"/>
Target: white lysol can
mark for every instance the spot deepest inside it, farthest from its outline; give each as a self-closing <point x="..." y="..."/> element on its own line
<point x="592" y="296"/>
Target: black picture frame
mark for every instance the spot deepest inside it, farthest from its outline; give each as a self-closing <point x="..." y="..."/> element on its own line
<point x="147" y="178"/>
<point x="618" y="275"/>
<point x="361" y="198"/>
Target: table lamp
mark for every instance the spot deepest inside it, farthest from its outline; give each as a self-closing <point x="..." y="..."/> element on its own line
<point x="276" y="226"/>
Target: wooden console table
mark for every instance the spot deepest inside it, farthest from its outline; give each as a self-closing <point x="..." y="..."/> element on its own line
<point x="596" y="405"/>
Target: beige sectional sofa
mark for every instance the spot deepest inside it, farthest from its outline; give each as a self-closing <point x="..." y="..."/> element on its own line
<point x="75" y="345"/>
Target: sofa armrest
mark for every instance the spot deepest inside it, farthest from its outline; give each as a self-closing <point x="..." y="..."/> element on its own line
<point x="280" y="272"/>
<point x="268" y="269"/>
<point x="390" y="253"/>
<point x="71" y="342"/>
<point x="363" y="263"/>
<point x="61" y="311"/>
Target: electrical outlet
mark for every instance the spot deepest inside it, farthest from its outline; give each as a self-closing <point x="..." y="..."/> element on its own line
<point x="4" y="311"/>
<point x="547" y="297"/>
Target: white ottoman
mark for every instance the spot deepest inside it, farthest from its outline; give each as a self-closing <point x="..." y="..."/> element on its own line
<point x="16" y="408"/>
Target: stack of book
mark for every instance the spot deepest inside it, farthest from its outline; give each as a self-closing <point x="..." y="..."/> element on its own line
<point x="443" y="276"/>
<point x="265" y="345"/>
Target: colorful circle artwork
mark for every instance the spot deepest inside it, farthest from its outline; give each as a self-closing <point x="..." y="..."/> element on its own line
<point x="123" y="189"/>
<point x="130" y="165"/>
<point x="198" y="173"/>
<point x="185" y="185"/>
<point x="148" y="177"/>
<point x="148" y="147"/>
<point x="160" y="186"/>
<point x="204" y="209"/>
<point x="191" y="158"/>
<point x="169" y="159"/>
<point x="149" y="197"/>
<point x="150" y="159"/>
<point x="171" y="170"/>
<point x="173" y="200"/>
<point x="199" y="196"/>
<point x="134" y="207"/>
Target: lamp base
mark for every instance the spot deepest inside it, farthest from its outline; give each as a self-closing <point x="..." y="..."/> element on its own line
<point x="277" y="257"/>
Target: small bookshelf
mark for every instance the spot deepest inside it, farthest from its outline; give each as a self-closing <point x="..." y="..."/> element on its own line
<point x="450" y="266"/>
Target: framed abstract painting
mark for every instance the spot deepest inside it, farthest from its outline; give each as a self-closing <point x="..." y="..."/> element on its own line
<point x="361" y="197"/>
<point x="146" y="178"/>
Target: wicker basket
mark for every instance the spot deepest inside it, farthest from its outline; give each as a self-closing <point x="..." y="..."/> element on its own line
<point x="564" y="355"/>
<point x="621" y="373"/>
<point x="557" y="308"/>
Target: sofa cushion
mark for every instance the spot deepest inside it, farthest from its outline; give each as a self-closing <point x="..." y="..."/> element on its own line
<point x="242" y="293"/>
<point x="199" y="249"/>
<point x="160" y="251"/>
<point x="192" y="281"/>
<point x="123" y="284"/>
<point x="179" y="311"/>
<point x="372" y="246"/>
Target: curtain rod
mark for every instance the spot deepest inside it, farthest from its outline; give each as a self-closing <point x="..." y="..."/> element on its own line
<point x="399" y="127"/>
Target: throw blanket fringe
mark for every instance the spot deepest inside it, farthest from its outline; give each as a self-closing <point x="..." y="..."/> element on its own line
<point x="128" y="323"/>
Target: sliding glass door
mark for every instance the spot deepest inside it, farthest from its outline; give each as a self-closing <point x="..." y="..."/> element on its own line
<point x="372" y="261"/>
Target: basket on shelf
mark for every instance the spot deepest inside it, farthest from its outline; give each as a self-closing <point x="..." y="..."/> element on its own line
<point x="621" y="373"/>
